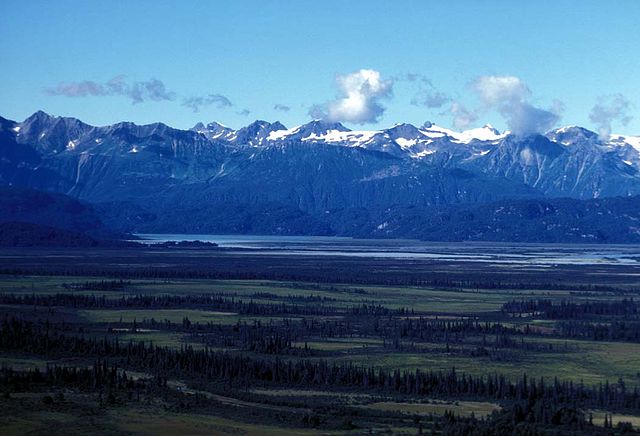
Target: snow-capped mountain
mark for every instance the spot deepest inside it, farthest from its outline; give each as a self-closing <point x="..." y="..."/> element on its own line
<point x="406" y="140"/>
<point x="324" y="171"/>
<point x="323" y="178"/>
<point x="621" y="140"/>
<point x="215" y="131"/>
<point x="566" y="162"/>
<point x="257" y="133"/>
<point x="399" y="140"/>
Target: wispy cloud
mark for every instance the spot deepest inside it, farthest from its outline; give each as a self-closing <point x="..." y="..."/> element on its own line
<point x="462" y="117"/>
<point x="281" y="107"/>
<point x="244" y="112"/>
<point x="218" y="100"/>
<point x="610" y="108"/>
<point x="359" y="98"/>
<point x="431" y="99"/>
<point x="137" y="91"/>
<point x="426" y="94"/>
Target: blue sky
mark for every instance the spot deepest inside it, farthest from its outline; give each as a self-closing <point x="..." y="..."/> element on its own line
<point x="238" y="61"/>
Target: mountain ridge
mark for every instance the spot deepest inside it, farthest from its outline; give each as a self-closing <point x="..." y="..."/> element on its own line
<point x="276" y="179"/>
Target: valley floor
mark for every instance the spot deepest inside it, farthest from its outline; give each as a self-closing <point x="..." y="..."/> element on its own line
<point x="208" y="341"/>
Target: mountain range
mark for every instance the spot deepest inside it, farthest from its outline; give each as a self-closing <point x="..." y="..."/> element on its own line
<point x="323" y="178"/>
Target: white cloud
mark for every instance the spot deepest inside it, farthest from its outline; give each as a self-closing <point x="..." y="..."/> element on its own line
<point x="608" y="109"/>
<point x="508" y="95"/>
<point x="498" y="90"/>
<point x="358" y="101"/>
<point x="524" y="118"/>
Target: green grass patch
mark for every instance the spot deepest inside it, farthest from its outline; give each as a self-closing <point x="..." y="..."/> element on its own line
<point x="598" y="418"/>
<point x="461" y="408"/>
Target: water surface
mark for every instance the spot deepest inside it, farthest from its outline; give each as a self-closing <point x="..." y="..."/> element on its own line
<point x="503" y="253"/>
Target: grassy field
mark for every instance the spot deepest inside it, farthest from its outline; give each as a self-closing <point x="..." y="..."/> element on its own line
<point x="587" y="361"/>
<point x="463" y="408"/>
<point x="173" y="315"/>
<point x="89" y="419"/>
<point x="594" y="362"/>
<point x="598" y="418"/>
<point x="425" y="299"/>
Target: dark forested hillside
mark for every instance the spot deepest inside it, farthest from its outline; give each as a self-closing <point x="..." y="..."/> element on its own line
<point x="608" y="220"/>
<point x="22" y="205"/>
<point x="17" y="234"/>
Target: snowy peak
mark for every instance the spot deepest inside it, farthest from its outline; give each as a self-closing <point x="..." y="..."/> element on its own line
<point x="401" y="140"/>
<point x="319" y="128"/>
<point x="625" y="148"/>
<point x="569" y="161"/>
<point x="576" y="135"/>
<point x="316" y="130"/>
<point x="214" y="131"/>
<point x="405" y="132"/>
<point x="487" y="133"/>
<point x="434" y="131"/>
<point x="490" y="129"/>
<point x="484" y="133"/>
<point x="256" y="133"/>
<point x="572" y="135"/>
<point x="428" y="142"/>
<point x="622" y="140"/>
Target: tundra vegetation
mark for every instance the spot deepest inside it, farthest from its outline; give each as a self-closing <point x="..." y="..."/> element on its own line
<point x="198" y="340"/>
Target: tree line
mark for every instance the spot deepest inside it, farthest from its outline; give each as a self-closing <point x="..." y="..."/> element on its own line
<point x="206" y="365"/>
<point x="343" y="275"/>
<point x="545" y="308"/>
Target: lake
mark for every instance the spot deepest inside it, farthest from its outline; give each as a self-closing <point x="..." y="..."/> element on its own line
<point x="502" y="253"/>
